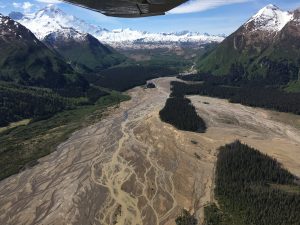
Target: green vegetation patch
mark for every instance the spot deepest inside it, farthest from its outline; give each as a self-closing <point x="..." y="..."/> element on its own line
<point x="180" y="113"/>
<point x="22" y="146"/>
<point x="293" y="87"/>
<point x="252" y="188"/>
<point x="186" y="218"/>
<point x="213" y="215"/>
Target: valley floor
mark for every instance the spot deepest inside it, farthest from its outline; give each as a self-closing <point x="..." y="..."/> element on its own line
<point x="130" y="168"/>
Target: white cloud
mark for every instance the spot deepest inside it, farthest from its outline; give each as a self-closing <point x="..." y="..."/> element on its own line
<point x="202" y="5"/>
<point x="26" y="6"/>
<point x="49" y="1"/>
<point x="17" y="5"/>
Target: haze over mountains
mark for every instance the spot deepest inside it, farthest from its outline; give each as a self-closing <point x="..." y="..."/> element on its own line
<point x="52" y="19"/>
<point x="265" y="49"/>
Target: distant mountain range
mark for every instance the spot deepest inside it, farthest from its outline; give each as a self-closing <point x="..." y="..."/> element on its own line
<point x="265" y="49"/>
<point x="52" y="19"/>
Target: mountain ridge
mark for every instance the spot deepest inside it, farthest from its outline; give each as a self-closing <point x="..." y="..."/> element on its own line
<point x="82" y="50"/>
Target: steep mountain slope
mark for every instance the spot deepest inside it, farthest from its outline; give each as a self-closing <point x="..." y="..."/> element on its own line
<point x="82" y="50"/>
<point x="51" y="18"/>
<point x="24" y="59"/>
<point x="285" y="52"/>
<point x="259" y="50"/>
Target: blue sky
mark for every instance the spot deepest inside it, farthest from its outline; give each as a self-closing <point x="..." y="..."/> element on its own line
<point x="211" y="16"/>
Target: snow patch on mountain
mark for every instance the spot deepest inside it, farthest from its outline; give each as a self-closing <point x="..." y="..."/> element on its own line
<point x="66" y="34"/>
<point x="11" y="30"/>
<point x="270" y="18"/>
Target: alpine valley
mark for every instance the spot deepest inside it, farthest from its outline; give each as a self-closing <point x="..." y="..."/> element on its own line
<point x="128" y="127"/>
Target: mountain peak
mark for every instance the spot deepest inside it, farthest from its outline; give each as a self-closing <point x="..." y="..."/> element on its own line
<point x="270" y="18"/>
<point x="51" y="11"/>
<point x="66" y="34"/>
<point x="52" y="18"/>
<point x="52" y="7"/>
<point x="271" y="6"/>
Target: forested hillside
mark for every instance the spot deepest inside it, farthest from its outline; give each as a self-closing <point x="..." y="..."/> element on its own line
<point x="27" y="61"/>
<point x="122" y="78"/>
<point x="252" y="188"/>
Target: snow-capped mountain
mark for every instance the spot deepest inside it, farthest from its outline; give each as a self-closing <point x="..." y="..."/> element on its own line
<point x="269" y="18"/>
<point x="51" y="19"/>
<point x="65" y="35"/>
<point x="82" y="50"/>
<point x="266" y="49"/>
<point x="132" y="38"/>
<point x="10" y="29"/>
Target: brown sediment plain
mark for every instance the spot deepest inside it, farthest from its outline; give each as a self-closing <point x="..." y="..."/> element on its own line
<point x="132" y="169"/>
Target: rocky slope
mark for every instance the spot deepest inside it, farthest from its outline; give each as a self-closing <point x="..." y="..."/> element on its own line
<point x="264" y="48"/>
